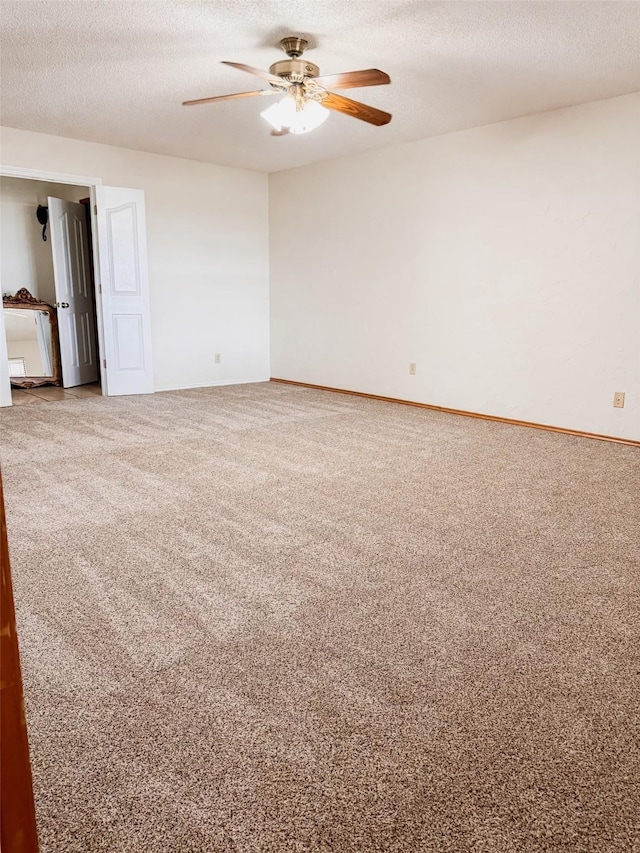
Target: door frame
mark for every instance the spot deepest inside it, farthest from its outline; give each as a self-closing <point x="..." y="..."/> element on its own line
<point x="83" y="181"/>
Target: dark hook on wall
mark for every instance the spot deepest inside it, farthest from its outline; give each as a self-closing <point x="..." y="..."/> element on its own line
<point x="43" y="217"/>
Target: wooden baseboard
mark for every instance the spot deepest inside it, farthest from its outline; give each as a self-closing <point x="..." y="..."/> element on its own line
<point x="17" y="811"/>
<point x="462" y="412"/>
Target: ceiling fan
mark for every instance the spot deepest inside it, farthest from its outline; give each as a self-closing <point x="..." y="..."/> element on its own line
<point x="307" y="98"/>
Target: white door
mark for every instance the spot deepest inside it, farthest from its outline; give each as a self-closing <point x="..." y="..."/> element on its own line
<point x="74" y="292"/>
<point x="124" y="289"/>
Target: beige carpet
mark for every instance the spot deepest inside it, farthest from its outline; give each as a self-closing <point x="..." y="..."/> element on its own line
<point x="264" y="618"/>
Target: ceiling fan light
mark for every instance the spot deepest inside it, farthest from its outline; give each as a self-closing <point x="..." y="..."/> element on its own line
<point x="280" y="114"/>
<point x="309" y="118"/>
<point x="284" y="114"/>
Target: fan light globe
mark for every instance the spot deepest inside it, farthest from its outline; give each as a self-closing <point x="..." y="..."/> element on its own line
<point x="285" y="114"/>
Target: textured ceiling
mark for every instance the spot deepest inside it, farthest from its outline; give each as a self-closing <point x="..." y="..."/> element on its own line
<point x="116" y="72"/>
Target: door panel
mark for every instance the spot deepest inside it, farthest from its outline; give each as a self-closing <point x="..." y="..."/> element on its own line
<point x="125" y="290"/>
<point x="124" y="250"/>
<point x="74" y="293"/>
<point x="128" y="339"/>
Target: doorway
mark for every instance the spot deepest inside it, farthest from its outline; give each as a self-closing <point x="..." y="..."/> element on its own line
<point x="122" y="318"/>
<point x="46" y="243"/>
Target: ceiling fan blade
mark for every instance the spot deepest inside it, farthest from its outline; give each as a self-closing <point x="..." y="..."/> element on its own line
<point x="264" y="75"/>
<point x="353" y="79"/>
<point x="355" y="109"/>
<point x="229" y="97"/>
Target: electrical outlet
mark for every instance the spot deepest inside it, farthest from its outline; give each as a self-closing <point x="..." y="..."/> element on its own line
<point x="618" y="400"/>
<point x="412" y="368"/>
<point x="216" y="358"/>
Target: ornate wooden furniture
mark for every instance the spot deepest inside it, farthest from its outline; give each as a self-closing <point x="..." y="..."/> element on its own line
<point x="31" y="328"/>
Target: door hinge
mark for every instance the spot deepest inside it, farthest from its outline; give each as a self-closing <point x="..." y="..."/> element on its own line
<point x="99" y="288"/>
<point x="95" y="209"/>
<point x="104" y="363"/>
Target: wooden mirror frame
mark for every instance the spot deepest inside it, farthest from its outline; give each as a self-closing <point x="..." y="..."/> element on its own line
<point x="23" y="299"/>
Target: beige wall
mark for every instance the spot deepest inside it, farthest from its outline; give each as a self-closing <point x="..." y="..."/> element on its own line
<point x="502" y="260"/>
<point x="207" y="232"/>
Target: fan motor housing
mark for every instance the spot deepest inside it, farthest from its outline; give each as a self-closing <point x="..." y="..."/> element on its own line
<point x="294" y="70"/>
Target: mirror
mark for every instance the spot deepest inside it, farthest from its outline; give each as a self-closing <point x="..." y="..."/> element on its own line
<point x="32" y="341"/>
